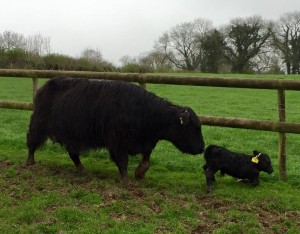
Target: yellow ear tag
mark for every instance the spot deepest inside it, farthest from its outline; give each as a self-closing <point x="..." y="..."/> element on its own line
<point x="255" y="159"/>
<point x="181" y="120"/>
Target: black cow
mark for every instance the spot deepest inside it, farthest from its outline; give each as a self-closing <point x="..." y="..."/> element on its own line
<point x="81" y="114"/>
<point x="238" y="165"/>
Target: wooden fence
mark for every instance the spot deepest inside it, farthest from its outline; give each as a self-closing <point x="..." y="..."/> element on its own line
<point x="280" y="126"/>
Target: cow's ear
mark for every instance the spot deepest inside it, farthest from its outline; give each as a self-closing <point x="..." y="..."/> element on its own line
<point x="255" y="152"/>
<point x="184" y="117"/>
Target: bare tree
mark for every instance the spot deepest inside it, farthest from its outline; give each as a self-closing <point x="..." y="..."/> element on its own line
<point x="126" y="59"/>
<point x="181" y="44"/>
<point x="94" y="56"/>
<point x="95" y="59"/>
<point x="287" y="40"/>
<point x="155" y="60"/>
<point x="38" y="45"/>
<point x="267" y="62"/>
<point x="10" y="40"/>
<point x="245" y="39"/>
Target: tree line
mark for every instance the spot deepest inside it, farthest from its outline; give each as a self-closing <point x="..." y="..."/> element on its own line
<point x="34" y="52"/>
<point x="244" y="45"/>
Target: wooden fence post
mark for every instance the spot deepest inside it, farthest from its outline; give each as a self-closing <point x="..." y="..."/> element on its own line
<point x="34" y="87"/>
<point x="281" y="137"/>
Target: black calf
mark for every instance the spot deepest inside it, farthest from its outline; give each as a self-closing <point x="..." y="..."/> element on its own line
<point x="238" y="165"/>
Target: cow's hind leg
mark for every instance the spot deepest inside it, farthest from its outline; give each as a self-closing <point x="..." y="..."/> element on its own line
<point x="76" y="160"/>
<point x="36" y="137"/>
<point x="121" y="160"/>
<point x="143" y="166"/>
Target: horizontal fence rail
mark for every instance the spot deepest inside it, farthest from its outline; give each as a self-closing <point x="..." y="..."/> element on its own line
<point x="280" y="85"/>
<point x="253" y="83"/>
<point x="16" y="105"/>
<point x="252" y="124"/>
<point x="265" y="125"/>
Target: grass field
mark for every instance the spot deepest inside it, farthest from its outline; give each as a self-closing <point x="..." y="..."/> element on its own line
<point x="51" y="198"/>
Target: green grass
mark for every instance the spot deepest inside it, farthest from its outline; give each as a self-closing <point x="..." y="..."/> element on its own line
<point x="51" y="198"/>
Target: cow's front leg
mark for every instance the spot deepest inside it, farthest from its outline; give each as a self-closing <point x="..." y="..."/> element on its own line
<point x="143" y="166"/>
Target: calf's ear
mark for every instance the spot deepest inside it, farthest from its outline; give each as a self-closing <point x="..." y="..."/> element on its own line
<point x="255" y="152"/>
<point x="184" y="117"/>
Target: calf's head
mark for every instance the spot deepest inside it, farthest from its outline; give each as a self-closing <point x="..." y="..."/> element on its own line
<point x="185" y="132"/>
<point x="263" y="161"/>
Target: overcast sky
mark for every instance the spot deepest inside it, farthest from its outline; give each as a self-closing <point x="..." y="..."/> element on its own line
<point x="123" y="27"/>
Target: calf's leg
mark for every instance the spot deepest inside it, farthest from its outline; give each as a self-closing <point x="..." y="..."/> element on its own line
<point x="209" y="174"/>
<point x="213" y="176"/>
<point x="254" y="181"/>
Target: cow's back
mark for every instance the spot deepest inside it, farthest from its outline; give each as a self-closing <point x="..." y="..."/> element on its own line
<point x="86" y="114"/>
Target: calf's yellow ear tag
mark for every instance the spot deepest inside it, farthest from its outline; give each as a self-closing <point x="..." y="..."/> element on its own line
<point x="255" y="159"/>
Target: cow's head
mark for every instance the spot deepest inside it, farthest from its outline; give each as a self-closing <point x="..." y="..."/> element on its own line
<point x="185" y="132"/>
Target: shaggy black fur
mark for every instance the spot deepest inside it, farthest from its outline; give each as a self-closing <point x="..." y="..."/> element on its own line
<point x="238" y="165"/>
<point x="81" y="114"/>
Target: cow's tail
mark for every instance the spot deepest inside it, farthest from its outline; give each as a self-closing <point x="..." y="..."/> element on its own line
<point x="46" y="94"/>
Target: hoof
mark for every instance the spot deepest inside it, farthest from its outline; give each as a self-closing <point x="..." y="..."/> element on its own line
<point x="139" y="176"/>
<point x="30" y="162"/>
<point x="208" y="190"/>
<point x="80" y="169"/>
<point x="125" y="181"/>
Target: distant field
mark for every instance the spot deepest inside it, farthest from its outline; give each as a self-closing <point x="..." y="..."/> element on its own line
<point x="51" y="198"/>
